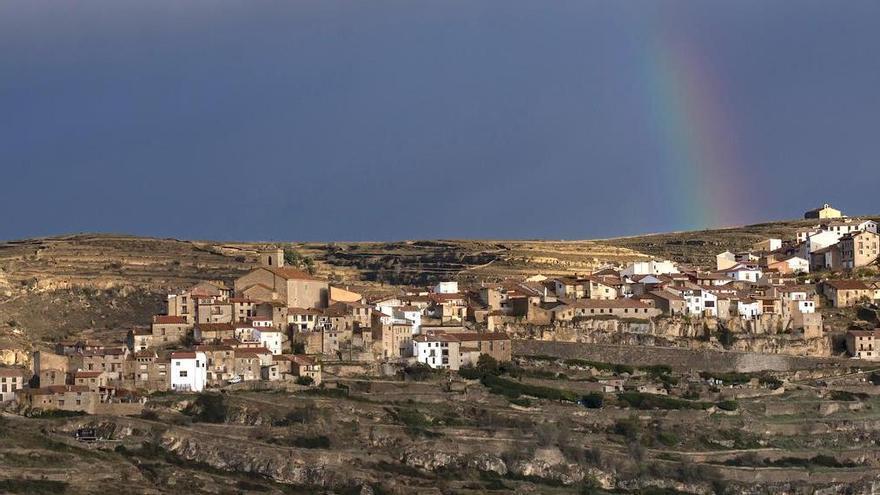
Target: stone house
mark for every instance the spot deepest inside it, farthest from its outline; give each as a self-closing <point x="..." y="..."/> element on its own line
<point x="110" y="360"/>
<point x="169" y="329"/>
<point x="392" y="341"/>
<point x="617" y="308"/>
<point x="220" y="362"/>
<point x="862" y="344"/>
<point x="146" y="371"/>
<point x="669" y="303"/>
<point x="845" y="293"/>
<point x="859" y="249"/>
<point x="304" y="319"/>
<point x="213" y="332"/>
<point x="294" y="288"/>
<point x="94" y="380"/>
<point x="308" y="366"/>
<point x="248" y="364"/>
<point x="210" y="309"/>
<point x="60" y="397"/>
<point x="139" y="339"/>
<point x="50" y="369"/>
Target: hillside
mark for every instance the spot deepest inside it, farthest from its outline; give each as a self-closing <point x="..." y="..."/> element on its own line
<point x="85" y="284"/>
<point x="699" y="247"/>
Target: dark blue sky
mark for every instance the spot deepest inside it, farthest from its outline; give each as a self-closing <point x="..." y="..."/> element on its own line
<point x="363" y="120"/>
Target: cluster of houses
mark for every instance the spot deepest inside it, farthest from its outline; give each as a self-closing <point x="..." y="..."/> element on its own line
<point x="275" y="323"/>
<point x="279" y="323"/>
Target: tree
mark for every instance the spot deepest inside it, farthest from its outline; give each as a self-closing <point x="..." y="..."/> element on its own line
<point x="208" y="408"/>
<point x="593" y="400"/>
<point x="488" y="365"/>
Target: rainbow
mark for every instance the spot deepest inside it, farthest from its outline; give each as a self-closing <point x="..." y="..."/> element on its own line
<point x="701" y="171"/>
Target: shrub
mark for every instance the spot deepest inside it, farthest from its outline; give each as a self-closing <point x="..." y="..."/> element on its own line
<point x="419" y="372"/>
<point x="304" y="380"/>
<point x="514" y="390"/>
<point x="208" y="408"/>
<point x="469" y="373"/>
<point x="726" y="337"/>
<point x="36" y="487"/>
<point x="614" y="368"/>
<point x="487" y="365"/>
<point x="728" y="405"/>
<point x="315" y="442"/>
<point x="300" y="415"/>
<point x="640" y="400"/>
<point x="149" y="414"/>
<point x="593" y="400"/>
<point x="629" y="428"/>
<point x="843" y="395"/>
<point x="667" y="438"/>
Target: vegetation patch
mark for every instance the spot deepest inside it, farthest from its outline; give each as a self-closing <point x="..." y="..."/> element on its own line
<point x="514" y="390"/>
<point x="805" y="462"/>
<point x="641" y="400"/>
<point x="34" y="487"/>
<point x="208" y="408"/>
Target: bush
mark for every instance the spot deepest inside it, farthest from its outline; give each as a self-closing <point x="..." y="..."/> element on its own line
<point x="300" y="415"/>
<point x="35" y="487"/>
<point x="726" y="337"/>
<point x="667" y="438"/>
<point x="514" y="390"/>
<point x="149" y="414"/>
<point x="640" y="400"/>
<point x="469" y="373"/>
<point x="593" y="400"/>
<point x="419" y="372"/>
<point x="629" y="428"/>
<point x="316" y="442"/>
<point x="843" y="395"/>
<point x="728" y="405"/>
<point x="487" y="365"/>
<point x="304" y="380"/>
<point x="208" y="408"/>
<point x="614" y="368"/>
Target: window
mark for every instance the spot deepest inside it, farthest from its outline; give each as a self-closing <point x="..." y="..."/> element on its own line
<point x="183" y="373"/>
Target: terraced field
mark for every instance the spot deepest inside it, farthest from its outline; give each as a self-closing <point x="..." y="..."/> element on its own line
<point x="518" y="432"/>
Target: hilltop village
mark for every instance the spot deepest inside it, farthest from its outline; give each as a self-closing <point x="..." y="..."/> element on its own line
<point x="281" y="325"/>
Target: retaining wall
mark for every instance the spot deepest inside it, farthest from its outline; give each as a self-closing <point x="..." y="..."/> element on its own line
<point x="678" y="358"/>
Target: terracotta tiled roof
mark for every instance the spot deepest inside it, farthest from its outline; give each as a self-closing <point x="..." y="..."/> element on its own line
<point x="216" y="327"/>
<point x="610" y="303"/>
<point x="9" y="372"/>
<point x="87" y="374"/>
<point x="847" y="284"/>
<point x="167" y="320"/>
<point x="183" y="355"/>
<point x="291" y="273"/>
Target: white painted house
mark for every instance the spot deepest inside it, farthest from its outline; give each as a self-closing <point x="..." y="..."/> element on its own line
<point x="744" y="273"/>
<point x="446" y="288"/>
<point x="748" y="308"/>
<point x="410" y="314"/>
<point x="821" y="240"/>
<point x="270" y="338"/>
<point x="652" y="267"/>
<point x="794" y="264"/>
<point x="699" y="302"/>
<point x="439" y="351"/>
<point x="189" y="371"/>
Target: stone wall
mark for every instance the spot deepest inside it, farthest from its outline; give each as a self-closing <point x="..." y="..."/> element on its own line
<point x="677" y="358"/>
